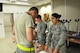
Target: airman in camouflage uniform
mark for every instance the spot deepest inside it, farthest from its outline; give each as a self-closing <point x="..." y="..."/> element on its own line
<point x="41" y="28"/>
<point x="41" y="32"/>
<point x="57" y="37"/>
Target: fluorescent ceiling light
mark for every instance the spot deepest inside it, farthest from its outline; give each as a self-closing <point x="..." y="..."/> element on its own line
<point x="24" y="0"/>
<point x="13" y="0"/>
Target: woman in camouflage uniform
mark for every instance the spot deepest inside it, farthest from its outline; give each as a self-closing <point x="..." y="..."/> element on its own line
<point x="56" y="39"/>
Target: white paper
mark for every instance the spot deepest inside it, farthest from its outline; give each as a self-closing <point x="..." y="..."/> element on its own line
<point x="43" y="52"/>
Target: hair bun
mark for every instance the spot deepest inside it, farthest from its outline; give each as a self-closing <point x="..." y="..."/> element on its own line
<point x="56" y="15"/>
<point x="59" y="16"/>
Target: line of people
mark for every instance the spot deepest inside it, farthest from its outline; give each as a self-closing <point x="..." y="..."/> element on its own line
<point x="54" y="41"/>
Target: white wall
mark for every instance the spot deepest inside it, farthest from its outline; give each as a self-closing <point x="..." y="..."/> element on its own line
<point x="7" y="21"/>
<point x="15" y="8"/>
<point x="45" y="9"/>
<point x="73" y="12"/>
<point x="58" y="6"/>
<point x="69" y="9"/>
<point x="2" y="33"/>
<point x="8" y="10"/>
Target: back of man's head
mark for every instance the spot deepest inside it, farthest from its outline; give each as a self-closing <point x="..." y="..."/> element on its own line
<point x="34" y="8"/>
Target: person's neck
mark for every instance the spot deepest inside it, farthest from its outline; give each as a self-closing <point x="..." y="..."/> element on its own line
<point x="40" y="21"/>
<point x="56" y="23"/>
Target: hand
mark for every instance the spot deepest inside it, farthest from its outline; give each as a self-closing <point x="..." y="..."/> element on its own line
<point x="55" y="51"/>
<point x="13" y="32"/>
<point x="46" y="48"/>
<point x="34" y="33"/>
<point x="14" y="39"/>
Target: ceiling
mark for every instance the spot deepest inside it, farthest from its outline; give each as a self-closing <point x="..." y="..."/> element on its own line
<point x="27" y="2"/>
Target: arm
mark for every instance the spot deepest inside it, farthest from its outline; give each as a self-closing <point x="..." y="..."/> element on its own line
<point x="13" y="31"/>
<point x="14" y="38"/>
<point x="29" y="34"/>
<point x="29" y="24"/>
<point x="42" y="29"/>
<point x="62" y="38"/>
<point x="48" y="39"/>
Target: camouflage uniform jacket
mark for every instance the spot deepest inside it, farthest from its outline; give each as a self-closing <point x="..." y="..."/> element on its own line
<point x="41" y="32"/>
<point x="57" y="37"/>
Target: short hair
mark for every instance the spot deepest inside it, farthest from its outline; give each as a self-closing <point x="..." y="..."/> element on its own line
<point x="39" y="16"/>
<point x="56" y="15"/>
<point x="34" y="8"/>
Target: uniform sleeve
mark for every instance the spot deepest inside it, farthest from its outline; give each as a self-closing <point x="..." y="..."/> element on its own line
<point x="48" y="38"/>
<point x="62" y="37"/>
<point x="29" y="22"/>
<point x="42" y="29"/>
